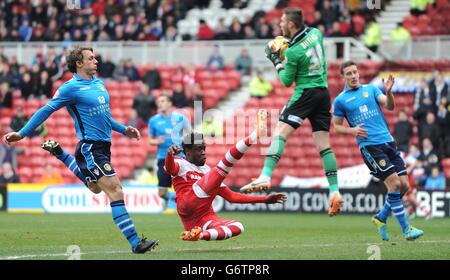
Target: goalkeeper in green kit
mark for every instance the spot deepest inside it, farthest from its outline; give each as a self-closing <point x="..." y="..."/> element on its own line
<point x="305" y="65"/>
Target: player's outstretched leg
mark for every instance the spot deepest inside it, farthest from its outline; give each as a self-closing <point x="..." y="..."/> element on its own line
<point x="395" y="201"/>
<point x="380" y="219"/>
<point x="213" y="179"/>
<point x="221" y="230"/>
<point x="55" y="149"/>
<point x="124" y="222"/>
<point x="214" y="230"/>
<point x="330" y="167"/>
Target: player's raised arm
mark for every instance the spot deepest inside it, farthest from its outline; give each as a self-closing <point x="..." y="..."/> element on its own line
<point x="61" y="98"/>
<point x="170" y="165"/>
<point x="387" y="101"/>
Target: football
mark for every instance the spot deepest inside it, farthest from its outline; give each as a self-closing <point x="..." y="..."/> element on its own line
<point x="279" y="43"/>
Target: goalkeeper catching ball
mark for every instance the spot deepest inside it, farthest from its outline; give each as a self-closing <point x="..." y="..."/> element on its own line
<point x="305" y="65"/>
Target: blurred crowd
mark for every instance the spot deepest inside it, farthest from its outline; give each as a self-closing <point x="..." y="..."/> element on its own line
<point x="152" y="20"/>
<point x="431" y="112"/>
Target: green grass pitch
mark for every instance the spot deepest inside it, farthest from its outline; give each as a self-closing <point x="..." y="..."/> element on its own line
<point x="267" y="236"/>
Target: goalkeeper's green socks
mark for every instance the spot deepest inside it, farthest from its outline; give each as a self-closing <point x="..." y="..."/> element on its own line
<point x="275" y="151"/>
<point x="330" y="166"/>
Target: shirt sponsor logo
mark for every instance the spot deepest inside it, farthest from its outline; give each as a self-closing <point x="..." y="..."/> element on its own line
<point x="195" y="177"/>
<point x="350" y="99"/>
<point x="295" y="119"/>
<point x="363" y="109"/>
<point x="101" y="99"/>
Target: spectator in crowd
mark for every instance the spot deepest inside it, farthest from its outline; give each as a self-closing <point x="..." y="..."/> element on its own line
<point x="418" y="173"/>
<point x="152" y="78"/>
<point x="215" y="61"/>
<point x="236" y="30"/>
<point x="403" y="131"/>
<point x="248" y="32"/>
<point x="418" y="7"/>
<point x="3" y="58"/>
<point x="147" y="177"/>
<point x="25" y="31"/>
<point x="436" y="181"/>
<point x="414" y="167"/>
<point x="317" y="16"/>
<point x="264" y="31"/>
<point x="243" y="63"/>
<point x="335" y="30"/>
<point x="135" y="121"/>
<point x="429" y="156"/>
<point x="211" y="127"/>
<point x="443" y="120"/>
<point x="438" y="88"/>
<point x="7" y="153"/>
<point x="18" y="121"/>
<point x="51" y="176"/>
<point x="144" y="103"/>
<point x="328" y="14"/>
<point x="197" y="93"/>
<point x="6" y="75"/>
<point x="221" y="31"/>
<point x="346" y="23"/>
<point x="130" y="71"/>
<point x="14" y="68"/>
<point x="119" y="72"/>
<point x="204" y="31"/>
<point x="399" y="35"/>
<point x="412" y="155"/>
<point x="106" y="68"/>
<point x="7" y="174"/>
<point x="179" y="98"/>
<point x="423" y="104"/>
<point x="5" y="96"/>
<point x="431" y="130"/>
<point x="259" y="86"/>
<point x="45" y="86"/>
<point x="171" y="34"/>
<point x="372" y="35"/>
<point x="25" y="86"/>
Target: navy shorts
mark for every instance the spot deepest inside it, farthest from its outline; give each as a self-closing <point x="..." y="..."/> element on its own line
<point x="164" y="179"/>
<point x="383" y="160"/>
<point x="94" y="159"/>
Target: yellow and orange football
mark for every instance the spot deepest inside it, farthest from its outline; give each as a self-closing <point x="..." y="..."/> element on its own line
<point x="279" y="43"/>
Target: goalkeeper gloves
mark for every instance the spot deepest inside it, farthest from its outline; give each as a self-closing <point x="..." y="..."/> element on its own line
<point x="274" y="56"/>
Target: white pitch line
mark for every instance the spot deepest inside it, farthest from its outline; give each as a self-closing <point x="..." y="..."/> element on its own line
<point x="201" y="249"/>
<point x="60" y="255"/>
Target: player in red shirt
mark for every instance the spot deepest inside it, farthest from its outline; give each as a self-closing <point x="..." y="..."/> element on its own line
<point x="196" y="185"/>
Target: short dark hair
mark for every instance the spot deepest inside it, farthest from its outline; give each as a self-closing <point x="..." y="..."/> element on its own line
<point x="169" y="98"/>
<point x="346" y="64"/>
<point x="74" y="56"/>
<point x="295" y="15"/>
<point x="191" y="139"/>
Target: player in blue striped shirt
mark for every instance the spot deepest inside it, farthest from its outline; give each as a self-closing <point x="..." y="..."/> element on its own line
<point x="360" y="106"/>
<point x="87" y="102"/>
